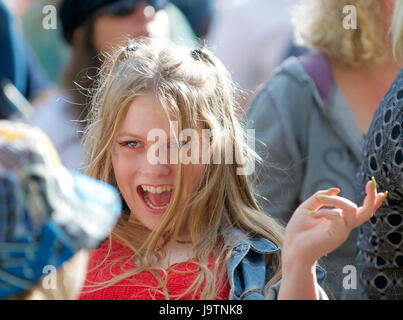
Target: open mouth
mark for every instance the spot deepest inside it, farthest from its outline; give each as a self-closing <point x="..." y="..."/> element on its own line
<point x="156" y="198"/>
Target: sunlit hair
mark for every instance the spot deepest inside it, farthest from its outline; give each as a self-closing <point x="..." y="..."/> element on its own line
<point x="195" y="90"/>
<point x="397" y="31"/>
<point x="319" y="25"/>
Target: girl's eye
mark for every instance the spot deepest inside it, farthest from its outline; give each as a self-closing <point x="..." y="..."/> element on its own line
<point x="130" y="144"/>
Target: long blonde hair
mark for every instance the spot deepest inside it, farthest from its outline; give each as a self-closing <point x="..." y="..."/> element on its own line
<point x="195" y="88"/>
<point x="319" y="25"/>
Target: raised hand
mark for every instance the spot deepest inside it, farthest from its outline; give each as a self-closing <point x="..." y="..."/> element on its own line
<point x="324" y="221"/>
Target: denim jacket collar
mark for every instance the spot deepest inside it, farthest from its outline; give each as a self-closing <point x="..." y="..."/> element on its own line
<point x="247" y="272"/>
<point x="260" y="245"/>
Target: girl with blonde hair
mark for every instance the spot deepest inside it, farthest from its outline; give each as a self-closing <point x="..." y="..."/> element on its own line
<point x="163" y="130"/>
<point x="312" y="116"/>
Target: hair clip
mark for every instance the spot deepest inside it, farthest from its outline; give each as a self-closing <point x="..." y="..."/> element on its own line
<point x="132" y="48"/>
<point x="197" y="54"/>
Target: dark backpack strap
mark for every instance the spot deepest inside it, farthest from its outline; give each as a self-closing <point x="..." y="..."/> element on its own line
<point x="317" y="66"/>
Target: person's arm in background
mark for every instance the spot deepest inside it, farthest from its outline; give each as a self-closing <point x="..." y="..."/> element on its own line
<point x="281" y="172"/>
<point x="380" y="256"/>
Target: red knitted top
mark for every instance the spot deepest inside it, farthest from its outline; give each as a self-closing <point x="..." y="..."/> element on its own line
<point x="140" y="286"/>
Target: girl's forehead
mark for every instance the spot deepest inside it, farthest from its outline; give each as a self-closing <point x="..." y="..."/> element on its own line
<point x="144" y="114"/>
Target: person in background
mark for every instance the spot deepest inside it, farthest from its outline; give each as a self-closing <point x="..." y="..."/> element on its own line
<point x="311" y="117"/>
<point x="43" y="31"/>
<point x="380" y="255"/>
<point x="49" y="217"/>
<point x="53" y="51"/>
<point x="92" y="29"/>
<point x="199" y="14"/>
<point x="251" y="38"/>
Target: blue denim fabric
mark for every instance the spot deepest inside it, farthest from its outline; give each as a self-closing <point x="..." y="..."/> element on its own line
<point x="247" y="272"/>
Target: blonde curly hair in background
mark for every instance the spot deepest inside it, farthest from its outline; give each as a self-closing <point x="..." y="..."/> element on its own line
<point x="319" y="25"/>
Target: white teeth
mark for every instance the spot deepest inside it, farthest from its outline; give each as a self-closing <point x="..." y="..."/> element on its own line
<point x="158" y="189"/>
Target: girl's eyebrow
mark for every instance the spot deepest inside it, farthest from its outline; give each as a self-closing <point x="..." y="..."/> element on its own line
<point x="129" y="134"/>
<point x="125" y="134"/>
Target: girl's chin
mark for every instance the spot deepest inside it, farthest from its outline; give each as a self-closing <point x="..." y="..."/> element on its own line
<point x="151" y="222"/>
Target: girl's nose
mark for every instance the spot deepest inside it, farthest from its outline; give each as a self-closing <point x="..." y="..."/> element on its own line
<point x="156" y="166"/>
<point x="157" y="170"/>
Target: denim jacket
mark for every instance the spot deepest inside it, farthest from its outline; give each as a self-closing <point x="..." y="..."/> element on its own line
<point x="247" y="272"/>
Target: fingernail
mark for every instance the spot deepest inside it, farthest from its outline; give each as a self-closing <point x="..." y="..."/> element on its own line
<point x="384" y="196"/>
<point x="322" y="196"/>
<point x="311" y="212"/>
<point x="374" y="183"/>
<point x="334" y="190"/>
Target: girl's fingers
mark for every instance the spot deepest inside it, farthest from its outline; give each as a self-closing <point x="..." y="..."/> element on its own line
<point x="369" y="205"/>
<point x="348" y="208"/>
<point x="371" y="194"/>
<point x="313" y="203"/>
<point x="346" y="204"/>
<point x="381" y="197"/>
<point x="365" y="213"/>
<point x="338" y="202"/>
<point x="330" y="214"/>
<point x="353" y="215"/>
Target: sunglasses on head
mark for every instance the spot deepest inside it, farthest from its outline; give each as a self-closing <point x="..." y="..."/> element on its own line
<point x="127" y="7"/>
